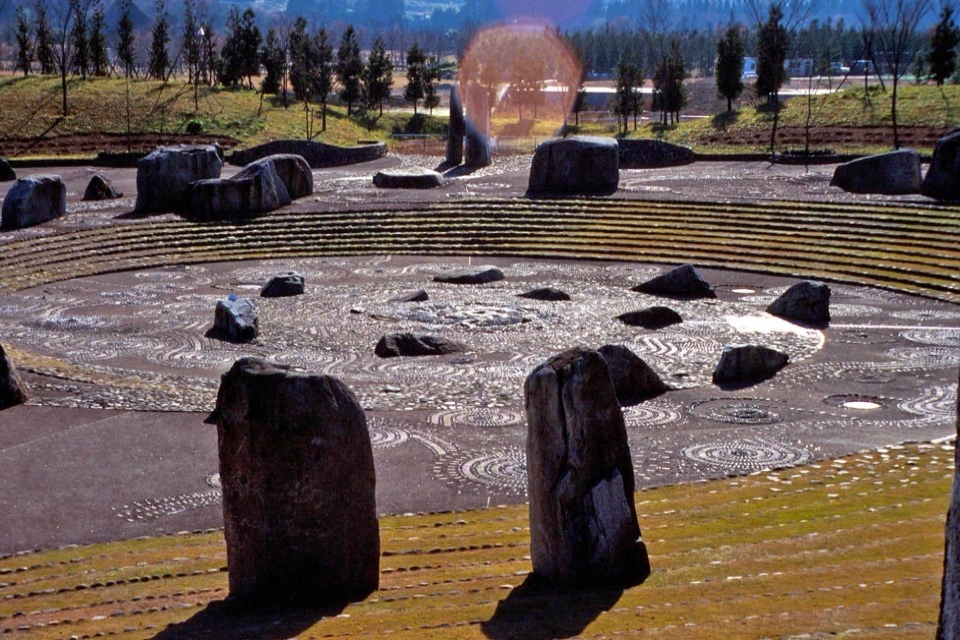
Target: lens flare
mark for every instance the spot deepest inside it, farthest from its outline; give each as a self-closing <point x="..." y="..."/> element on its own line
<point x="521" y="68"/>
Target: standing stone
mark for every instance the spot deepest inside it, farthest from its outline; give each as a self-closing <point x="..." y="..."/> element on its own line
<point x="299" y="504"/>
<point x="164" y="176"/>
<point x="807" y="302"/>
<point x="948" y="626"/>
<point x="892" y="173"/>
<point x="7" y="174"/>
<point x="236" y="319"/>
<point x="12" y="389"/>
<point x="583" y="521"/>
<point x="943" y="177"/>
<point x="748" y="363"/>
<point x="101" y="188"/>
<point x="478" y="126"/>
<point x="284" y="284"/>
<point x="34" y="200"/>
<point x="633" y="379"/>
<point x="457" y="129"/>
<point x="575" y="165"/>
<point x="682" y="282"/>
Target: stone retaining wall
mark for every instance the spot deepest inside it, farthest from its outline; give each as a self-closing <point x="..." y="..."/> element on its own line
<point x="317" y="154"/>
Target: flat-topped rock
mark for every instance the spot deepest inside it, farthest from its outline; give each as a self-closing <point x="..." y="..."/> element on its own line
<point x="575" y="165"/>
<point x="34" y="200"/>
<point x="12" y="389"/>
<point x="101" y="188"/>
<point x="893" y="173"/>
<point x="289" y="283"/>
<point x="806" y="302"/>
<point x="236" y="319"/>
<point x="7" y="174"/>
<point x="409" y="178"/>
<point x="164" y="176"/>
<point x="942" y="181"/>
<point x="741" y="363"/>
<point x="633" y="379"/>
<point x="471" y="275"/>
<point x="413" y="344"/>
<point x="683" y="282"/>
<point x="651" y="318"/>
<point x="548" y="294"/>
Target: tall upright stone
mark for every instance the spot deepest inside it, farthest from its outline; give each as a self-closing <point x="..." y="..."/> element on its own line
<point x="583" y="521"/>
<point x="457" y="129"/>
<point x="948" y="626"/>
<point x="299" y="504"/>
<point x="478" y="126"/>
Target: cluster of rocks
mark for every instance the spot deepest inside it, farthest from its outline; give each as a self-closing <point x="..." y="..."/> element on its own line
<point x="900" y="172"/>
<point x="235" y="319"/>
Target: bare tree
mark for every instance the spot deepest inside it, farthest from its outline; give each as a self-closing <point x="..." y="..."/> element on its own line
<point x="893" y="24"/>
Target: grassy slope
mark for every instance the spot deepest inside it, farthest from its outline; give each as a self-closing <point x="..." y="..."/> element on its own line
<point x="851" y="547"/>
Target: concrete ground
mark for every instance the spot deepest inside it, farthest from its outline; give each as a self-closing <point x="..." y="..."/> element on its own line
<point x="87" y="460"/>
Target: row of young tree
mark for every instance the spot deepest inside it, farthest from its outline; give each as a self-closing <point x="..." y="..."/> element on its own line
<point x="70" y="39"/>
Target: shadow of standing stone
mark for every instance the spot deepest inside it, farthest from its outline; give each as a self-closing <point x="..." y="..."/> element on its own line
<point x="583" y="521"/>
<point x="299" y="505"/>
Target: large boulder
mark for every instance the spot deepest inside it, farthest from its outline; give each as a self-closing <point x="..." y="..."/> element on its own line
<point x="235" y="319"/>
<point x="948" y="626"/>
<point x="410" y="178"/>
<point x="284" y="284"/>
<point x="7" y="174"/>
<point x="12" y="389"/>
<point x="806" y="302"/>
<point x="164" y="176"/>
<point x="257" y="189"/>
<point x="633" y="379"/>
<point x="415" y="344"/>
<point x="101" y="188"/>
<point x="34" y="200"/>
<point x="893" y="173"/>
<point x="651" y="318"/>
<point x="647" y="153"/>
<point x="471" y="275"/>
<point x="293" y="171"/>
<point x="575" y="165"/>
<point x="743" y="363"/>
<point x="297" y="471"/>
<point x="683" y="282"/>
<point x="943" y="177"/>
<point x="583" y="521"/>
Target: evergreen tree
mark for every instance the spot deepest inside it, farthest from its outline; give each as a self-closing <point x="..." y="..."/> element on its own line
<point x="670" y="96"/>
<point x="125" y="38"/>
<point x="43" y="42"/>
<point x="629" y="79"/>
<point x="250" y="41"/>
<point x="772" y="43"/>
<point x="159" y="61"/>
<point x="240" y="56"/>
<point x="80" y="62"/>
<point x="273" y="59"/>
<point x="191" y="42"/>
<point x="99" y="65"/>
<point x="349" y="68"/>
<point x="323" y="72"/>
<point x="729" y="69"/>
<point x="377" y="75"/>
<point x="24" y="42"/>
<point x="301" y="60"/>
<point x="209" y="54"/>
<point x="431" y="99"/>
<point x="943" y="47"/>
<point x="416" y="76"/>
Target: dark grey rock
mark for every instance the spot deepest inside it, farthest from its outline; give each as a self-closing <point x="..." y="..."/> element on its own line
<point x="456" y="130"/>
<point x="34" y="200"/>
<point x="806" y="302"/>
<point x="633" y="379"/>
<point x="236" y="320"/>
<point x="7" y="174"/>
<point x="893" y="173"/>
<point x="948" y="625"/>
<point x="741" y="363"/>
<point x="472" y="275"/>
<point x="284" y="284"/>
<point x="651" y="318"/>
<point x="297" y="471"/>
<point x="942" y="181"/>
<point x="575" y="165"/>
<point x="417" y="296"/>
<point x="410" y="178"/>
<point x="101" y="188"/>
<point x="413" y="344"/>
<point x="293" y="171"/>
<point x="255" y="190"/>
<point x="12" y="389"/>
<point x="549" y="294"/>
<point x="583" y="522"/>
<point x="164" y="176"/>
<point x="683" y="282"/>
<point x="647" y="153"/>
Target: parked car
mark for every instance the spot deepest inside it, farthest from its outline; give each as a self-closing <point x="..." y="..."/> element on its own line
<point x="863" y="67"/>
<point x="837" y="68"/>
